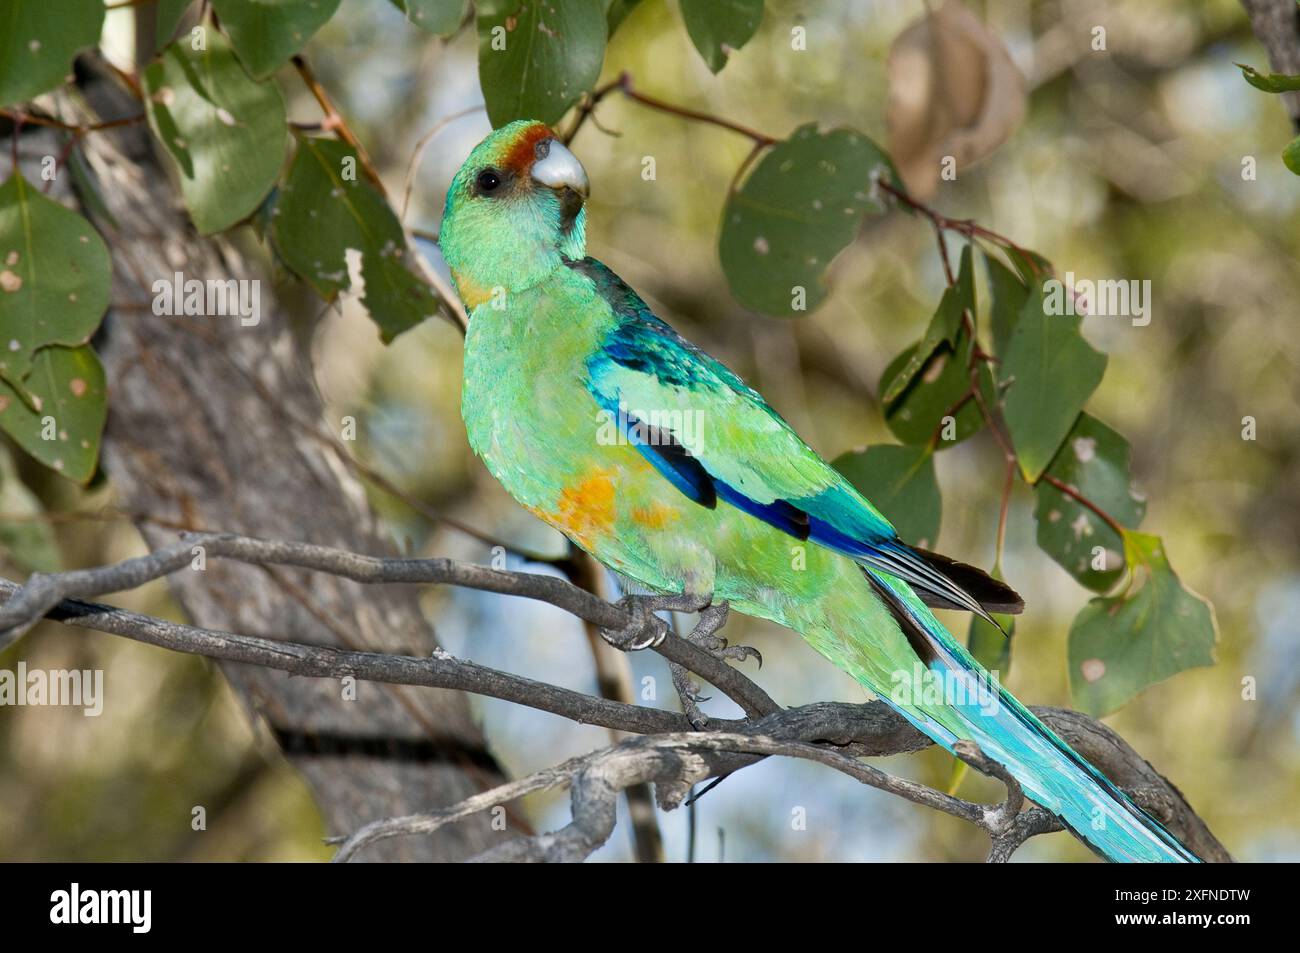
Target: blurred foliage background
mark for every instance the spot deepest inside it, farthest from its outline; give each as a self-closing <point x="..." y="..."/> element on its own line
<point x="1127" y="164"/>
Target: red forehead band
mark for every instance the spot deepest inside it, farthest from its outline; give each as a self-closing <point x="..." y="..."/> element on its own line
<point x="524" y="150"/>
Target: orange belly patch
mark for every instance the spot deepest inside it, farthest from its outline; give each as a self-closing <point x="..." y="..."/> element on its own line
<point x="656" y="515"/>
<point x="586" y="510"/>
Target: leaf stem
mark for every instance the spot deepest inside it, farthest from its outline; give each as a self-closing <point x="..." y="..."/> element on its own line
<point x="1079" y="498"/>
<point x="965" y="226"/>
<point x="625" y="85"/>
<point x="334" y="122"/>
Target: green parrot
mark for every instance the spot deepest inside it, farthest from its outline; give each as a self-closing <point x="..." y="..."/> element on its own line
<point x="667" y="468"/>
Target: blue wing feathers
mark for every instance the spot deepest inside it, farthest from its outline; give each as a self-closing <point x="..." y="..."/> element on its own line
<point x="1052" y="773"/>
<point x="835" y="516"/>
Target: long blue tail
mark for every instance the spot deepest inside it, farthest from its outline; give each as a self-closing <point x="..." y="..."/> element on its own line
<point x="1052" y="774"/>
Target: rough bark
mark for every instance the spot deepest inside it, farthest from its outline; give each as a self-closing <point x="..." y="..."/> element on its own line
<point x="1277" y="26"/>
<point x="210" y="424"/>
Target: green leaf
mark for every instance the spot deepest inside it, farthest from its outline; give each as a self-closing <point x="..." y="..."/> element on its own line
<point x="38" y="40"/>
<point x="1291" y="155"/>
<point x="226" y="133"/>
<point x="67" y="387"/>
<point x="916" y="414"/>
<point x="55" y="276"/>
<point x="720" y="27"/>
<point x="327" y="214"/>
<point x="943" y="328"/>
<point x="1007" y="294"/>
<point x="1269" y="82"/>
<point x="537" y="57"/>
<point x="1120" y="645"/>
<point x="167" y="19"/>
<point x="1052" y="371"/>
<point x="439" y="17"/>
<point x="616" y="11"/>
<point x="265" y="33"/>
<point x="800" y="207"/>
<point x="1094" y="461"/>
<point x="901" y="483"/>
<point x="1032" y="267"/>
<point x="29" y="543"/>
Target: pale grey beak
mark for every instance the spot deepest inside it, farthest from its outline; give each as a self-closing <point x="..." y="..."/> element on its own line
<point x="558" y="168"/>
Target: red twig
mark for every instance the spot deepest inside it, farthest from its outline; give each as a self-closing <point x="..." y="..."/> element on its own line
<point x="625" y="86"/>
<point x="1082" y="500"/>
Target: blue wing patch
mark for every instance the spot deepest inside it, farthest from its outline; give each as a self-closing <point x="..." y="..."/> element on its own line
<point x="835" y="517"/>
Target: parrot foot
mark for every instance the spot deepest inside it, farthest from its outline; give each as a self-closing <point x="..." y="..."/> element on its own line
<point x="712" y="619"/>
<point x="705" y="635"/>
<point x="690" y="697"/>
<point x="645" y="630"/>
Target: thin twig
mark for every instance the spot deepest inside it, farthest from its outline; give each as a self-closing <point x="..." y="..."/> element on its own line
<point x="333" y="121"/>
<point x="624" y="84"/>
<point x="39" y="119"/>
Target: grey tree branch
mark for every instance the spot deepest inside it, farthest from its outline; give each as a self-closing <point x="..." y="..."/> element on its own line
<point x="42" y="592"/>
<point x="673" y="757"/>
<point x="673" y="763"/>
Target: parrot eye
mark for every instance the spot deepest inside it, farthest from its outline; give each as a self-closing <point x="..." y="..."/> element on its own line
<point x="487" y="182"/>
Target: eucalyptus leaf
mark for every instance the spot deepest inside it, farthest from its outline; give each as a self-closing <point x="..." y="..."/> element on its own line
<point x="1032" y="267"/>
<point x="901" y="483"/>
<point x="943" y="327"/>
<point x="63" y="428"/>
<point x="38" y="40"/>
<point x="439" y="17"/>
<point x="167" y="19"/>
<point x="265" y="33"/>
<point x="1120" y="645"/>
<point x="719" y="28"/>
<point x="1269" y="82"/>
<point x="802" y="204"/>
<point x="1051" y="371"/>
<point x="535" y="58"/>
<point x="917" y="414"/>
<point x="1291" y="155"/>
<point x="1007" y="294"/>
<point x="990" y="645"/>
<point x="226" y="132"/>
<point x="55" y="276"/>
<point x="331" y="228"/>
<point x="1094" y="461"/>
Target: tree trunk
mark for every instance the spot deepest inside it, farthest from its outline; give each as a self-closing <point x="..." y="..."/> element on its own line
<point x="216" y="425"/>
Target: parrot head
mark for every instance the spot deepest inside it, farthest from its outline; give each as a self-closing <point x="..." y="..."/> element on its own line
<point x="514" y="212"/>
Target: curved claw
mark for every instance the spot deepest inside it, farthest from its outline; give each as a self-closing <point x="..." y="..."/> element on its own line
<point x="645" y="630"/>
<point x="739" y="653"/>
